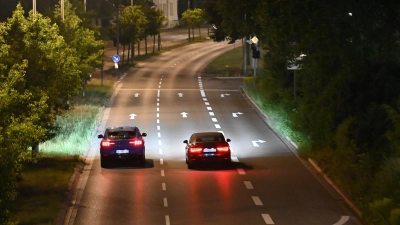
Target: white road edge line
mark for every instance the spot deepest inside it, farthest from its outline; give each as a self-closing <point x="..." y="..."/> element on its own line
<point x="342" y="220"/>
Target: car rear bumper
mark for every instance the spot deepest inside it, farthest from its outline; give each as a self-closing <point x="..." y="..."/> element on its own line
<point x="209" y="159"/>
<point x="116" y="157"/>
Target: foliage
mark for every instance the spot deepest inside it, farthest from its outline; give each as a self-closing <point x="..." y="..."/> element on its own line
<point x="194" y="18"/>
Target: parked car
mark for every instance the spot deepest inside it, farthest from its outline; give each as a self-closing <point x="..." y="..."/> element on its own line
<point x="122" y="143"/>
<point x="207" y="147"/>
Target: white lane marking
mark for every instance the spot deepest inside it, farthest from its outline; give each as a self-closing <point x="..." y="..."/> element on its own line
<point x="241" y="171"/>
<point x="256" y="200"/>
<point x="137" y="95"/>
<point x="267" y="219"/>
<point x="211" y="113"/>
<point x="158" y="121"/>
<point x="214" y="119"/>
<point x="206" y="103"/>
<point x="159" y="83"/>
<point x="161" y="161"/>
<point x="158" y="104"/>
<point x="167" y="220"/>
<point x="164" y="187"/>
<point x="255" y="143"/>
<point x="165" y="202"/>
<point x="158" y="109"/>
<point x="158" y="127"/>
<point x="342" y="220"/>
<point x="162" y="173"/>
<point x="184" y="114"/>
<point x="203" y="94"/>
<point x="159" y="142"/>
<point x="158" y="99"/>
<point x="209" y="108"/>
<point x="158" y="93"/>
<point x="248" y="185"/>
<point x="159" y="86"/>
<point x="160" y="151"/>
<point x="132" y="116"/>
<point x="217" y="126"/>
<point x="158" y="114"/>
<point x="234" y="158"/>
<point x="159" y="134"/>
<point x="180" y="95"/>
<point x="205" y="99"/>
<point x="223" y="95"/>
<point x="236" y="114"/>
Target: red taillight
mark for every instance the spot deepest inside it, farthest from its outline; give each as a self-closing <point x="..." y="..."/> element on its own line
<point x="223" y="149"/>
<point x="136" y="142"/>
<point x="195" y="150"/>
<point x="107" y="143"/>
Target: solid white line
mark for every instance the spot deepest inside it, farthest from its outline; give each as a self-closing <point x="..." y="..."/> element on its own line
<point x="342" y="220"/>
<point x="161" y="161"/>
<point x="267" y="219"/>
<point x="256" y="200"/>
<point x="167" y="220"/>
<point x="241" y="171"/>
<point x="165" y="202"/>
<point x="248" y="185"/>
<point x="162" y="173"/>
<point x="234" y="158"/>
<point x="217" y="126"/>
<point x="164" y="187"/>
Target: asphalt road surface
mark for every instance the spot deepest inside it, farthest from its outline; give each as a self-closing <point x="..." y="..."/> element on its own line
<point x="169" y="98"/>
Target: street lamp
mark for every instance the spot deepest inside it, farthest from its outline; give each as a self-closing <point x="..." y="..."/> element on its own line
<point x="116" y="10"/>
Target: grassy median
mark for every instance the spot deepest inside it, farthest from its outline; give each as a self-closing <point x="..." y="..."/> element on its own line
<point x="43" y="185"/>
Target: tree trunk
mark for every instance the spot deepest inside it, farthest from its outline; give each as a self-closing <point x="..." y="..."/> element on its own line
<point x="133" y="51"/>
<point x="138" y="48"/>
<point x="145" y="45"/>
<point x="193" y="33"/>
<point x="123" y="54"/>
<point x="154" y="43"/>
<point x="129" y="47"/>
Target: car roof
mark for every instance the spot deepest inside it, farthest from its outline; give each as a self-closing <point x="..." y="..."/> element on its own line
<point x="122" y="128"/>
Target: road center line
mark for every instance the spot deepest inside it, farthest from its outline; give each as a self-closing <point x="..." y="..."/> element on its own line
<point x="241" y="171"/>
<point x="248" y="185"/>
<point x="161" y="161"/>
<point x="256" y="200"/>
<point x="165" y="202"/>
<point x="164" y="187"/>
<point x="267" y="219"/>
<point x="167" y="220"/>
<point x="162" y="173"/>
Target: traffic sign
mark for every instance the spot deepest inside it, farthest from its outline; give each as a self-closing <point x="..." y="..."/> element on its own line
<point x="116" y="58"/>
<point x="254" y="39"/>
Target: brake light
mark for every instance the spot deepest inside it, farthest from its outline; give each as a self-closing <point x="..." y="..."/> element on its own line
<point x="136" y="142"/>
<point x="195" y="150"/>
<point x="223" y="149"/>
<point x="107" y="143"/>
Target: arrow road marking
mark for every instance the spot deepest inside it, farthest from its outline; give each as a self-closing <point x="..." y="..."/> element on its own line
<point x="255" y="143"/>
<point x="137" y="95"/>
<point x="236" y="114"/>
<point x="184" y="114"/>
<point x="180" y="95"/>
<point x="132" y="116"/>
<point x="223" y="95"/>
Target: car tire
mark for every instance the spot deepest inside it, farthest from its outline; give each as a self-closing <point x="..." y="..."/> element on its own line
<point x="103" y="162"/>
<point x="143" y="162"/>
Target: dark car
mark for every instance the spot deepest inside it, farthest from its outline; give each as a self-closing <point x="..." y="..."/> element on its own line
<point x="207" y="147"/>
<point x="123" y="143"/>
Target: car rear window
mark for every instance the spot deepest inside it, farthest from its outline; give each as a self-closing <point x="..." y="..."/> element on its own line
<point x="209" y="138"/>
<point x="121" y="135"/>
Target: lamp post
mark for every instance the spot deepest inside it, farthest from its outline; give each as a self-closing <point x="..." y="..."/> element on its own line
<point x="116" y="10"/>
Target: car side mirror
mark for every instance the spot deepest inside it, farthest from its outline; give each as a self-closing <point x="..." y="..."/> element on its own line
<point x="185" y="141"/>
<point x="144" y="134"/>
<point x="100" y="136"/>
<point x="228" y="140"/>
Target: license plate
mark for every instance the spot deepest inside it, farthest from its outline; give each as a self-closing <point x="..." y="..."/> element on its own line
<point x="122" y="151"/>
<point x="209" y="150"/>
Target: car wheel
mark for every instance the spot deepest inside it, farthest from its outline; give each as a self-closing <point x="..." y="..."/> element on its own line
<point x="103" y="162"/>
<point x="143" y="162"/>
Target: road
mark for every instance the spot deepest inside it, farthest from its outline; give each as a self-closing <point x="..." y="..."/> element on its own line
<point x="169" y="98"/>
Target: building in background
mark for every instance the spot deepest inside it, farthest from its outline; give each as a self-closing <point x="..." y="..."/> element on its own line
<point x="170" y="8"/>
